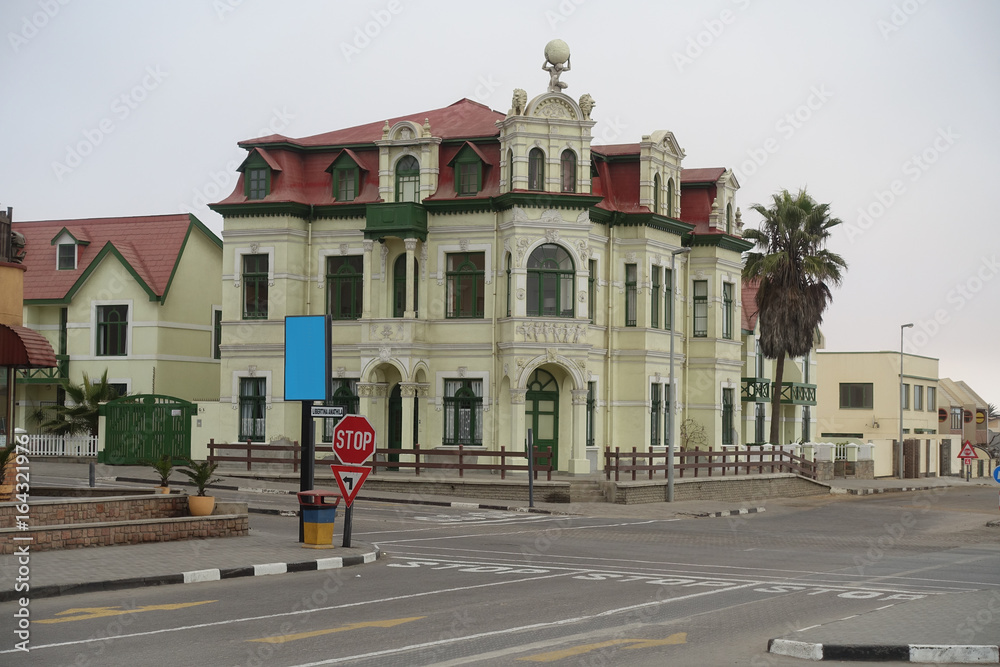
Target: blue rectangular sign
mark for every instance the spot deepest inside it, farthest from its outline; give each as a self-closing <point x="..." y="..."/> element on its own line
<point x="307" y="357"/>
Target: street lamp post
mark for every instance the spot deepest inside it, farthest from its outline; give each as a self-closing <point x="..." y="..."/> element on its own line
<point x="670" y="400"/>
<point x="901" y="327"/>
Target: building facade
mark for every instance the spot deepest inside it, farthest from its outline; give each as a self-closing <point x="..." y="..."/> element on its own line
<point x="962" y="417"/>
<point x="138" y="297"/>
<point x="486" y="273"/>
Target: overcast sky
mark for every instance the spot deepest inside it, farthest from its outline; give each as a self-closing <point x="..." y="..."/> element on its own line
<point x="886" y="109"/>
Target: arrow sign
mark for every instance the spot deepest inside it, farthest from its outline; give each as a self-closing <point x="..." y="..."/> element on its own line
<point x="350" y="479"/>
<point x="968" y="451"/>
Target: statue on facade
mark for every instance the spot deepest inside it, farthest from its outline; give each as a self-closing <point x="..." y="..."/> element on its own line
<point x="587" y="105"/>
<point x="556" y="62"/>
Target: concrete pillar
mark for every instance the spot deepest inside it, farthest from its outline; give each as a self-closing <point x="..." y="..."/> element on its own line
<point x="579" y="464"/>
<point x="366" y="308"/>
<point x="410" y="312"/>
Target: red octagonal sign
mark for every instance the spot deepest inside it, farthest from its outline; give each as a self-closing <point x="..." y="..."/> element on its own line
<point x="354" y="440"/>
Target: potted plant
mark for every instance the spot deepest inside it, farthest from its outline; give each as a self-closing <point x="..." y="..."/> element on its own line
<point x="163" y="467"/>
<point x="201" y="476"/>
<point x="7" y="473"/>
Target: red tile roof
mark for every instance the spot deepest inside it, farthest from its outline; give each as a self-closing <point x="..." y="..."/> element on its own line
<point x="20" y="347"/>
<point x="151" y="245"/>
<point x="702" y="175"/>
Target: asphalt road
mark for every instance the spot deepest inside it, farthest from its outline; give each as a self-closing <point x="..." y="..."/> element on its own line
<point x="496" y="588"/>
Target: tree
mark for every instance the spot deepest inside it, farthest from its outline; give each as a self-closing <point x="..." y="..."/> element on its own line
<point x="991" y="412"/>
<point x="794" y="273"/>
<point x="81" y="416"/>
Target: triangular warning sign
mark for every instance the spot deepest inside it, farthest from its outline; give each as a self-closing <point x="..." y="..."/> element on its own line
<point x="350" y="479"/>
<point x="968" y="451"/>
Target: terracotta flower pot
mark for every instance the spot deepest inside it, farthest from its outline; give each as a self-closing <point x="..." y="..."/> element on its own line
<point x="201" y="505"/>
<point x="163" y="489"/>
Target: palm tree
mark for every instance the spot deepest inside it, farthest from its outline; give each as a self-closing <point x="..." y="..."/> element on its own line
<point x="794" y="272"/>
<point x="82" y="416"/>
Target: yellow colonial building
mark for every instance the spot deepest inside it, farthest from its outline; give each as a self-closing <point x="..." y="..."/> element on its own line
<point x="487" y="273"/>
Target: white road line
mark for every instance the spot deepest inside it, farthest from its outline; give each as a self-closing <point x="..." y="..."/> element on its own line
<point x="533" y="626"/>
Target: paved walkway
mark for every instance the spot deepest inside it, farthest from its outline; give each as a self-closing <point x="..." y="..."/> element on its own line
<point x="271" y="548"/>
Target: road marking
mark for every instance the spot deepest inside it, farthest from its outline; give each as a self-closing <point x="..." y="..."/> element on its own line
<point x="552" y="656"/>
<point x="87" y="613"/>
<point x="281" y="639"/>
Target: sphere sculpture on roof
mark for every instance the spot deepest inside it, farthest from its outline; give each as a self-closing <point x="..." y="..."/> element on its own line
<point x="556" y="62"/>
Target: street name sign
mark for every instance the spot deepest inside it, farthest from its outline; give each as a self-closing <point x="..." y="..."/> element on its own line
<point x="327" y="411"/>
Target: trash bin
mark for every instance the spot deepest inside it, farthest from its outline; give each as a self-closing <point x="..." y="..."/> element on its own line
<point x="319" y="511"/>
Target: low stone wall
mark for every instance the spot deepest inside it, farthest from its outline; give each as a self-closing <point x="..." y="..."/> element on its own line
<point x="38" y="492"/>
<point x="509" y="490"/>
<point x="60" y="511"/>
<point x="750" y="488"/>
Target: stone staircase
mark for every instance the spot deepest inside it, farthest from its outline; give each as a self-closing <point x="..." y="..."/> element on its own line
<point x="586" y="491"/>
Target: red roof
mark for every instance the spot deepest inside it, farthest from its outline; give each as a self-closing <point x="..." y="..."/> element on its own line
<point x="748" y="299"/>
<point x="702" y="175"/>
<point x="463" y="119"/>
<point x="151" y="245"/>
<point x="20" y="347"/>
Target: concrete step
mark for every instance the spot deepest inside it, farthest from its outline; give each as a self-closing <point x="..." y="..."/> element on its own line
<point x="586" y="492"/>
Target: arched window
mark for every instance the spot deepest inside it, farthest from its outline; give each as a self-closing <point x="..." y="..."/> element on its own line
<point x="536" y="169"/>
<point x="568" y="164"/>
<point x="670" y="199"/>
<point x="408" y="179"/>
<point x="729" y="218"/>
<point x="509" y="286"/>
<point x="656" y="194"/>
<point x="510" y="170"/>
<point x="399" y="286"/>
<point x="550" y="282"/>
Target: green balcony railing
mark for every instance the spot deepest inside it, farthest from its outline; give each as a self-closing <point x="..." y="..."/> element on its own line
<point x="757" y="390"/>
<point x="58" y="373"/>
<point x="400" y="219"/>
<point x="796" y="393"/>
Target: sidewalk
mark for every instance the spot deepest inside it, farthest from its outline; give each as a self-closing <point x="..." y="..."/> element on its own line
<point x="272" y="548"/>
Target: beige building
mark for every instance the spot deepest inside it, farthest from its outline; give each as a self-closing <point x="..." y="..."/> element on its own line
<point x="486" y="273"/>
<point x="962" y="417"/>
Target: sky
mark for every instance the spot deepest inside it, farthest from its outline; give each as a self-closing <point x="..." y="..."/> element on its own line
<point x="884" y="109"/>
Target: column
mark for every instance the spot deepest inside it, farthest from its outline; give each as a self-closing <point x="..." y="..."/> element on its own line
<point x="366" y="307"/>
<point x="411" y="246"/>
<point x="579" y="464"/>
<point x="518" y="431"/>
<point x="407" y="391"/>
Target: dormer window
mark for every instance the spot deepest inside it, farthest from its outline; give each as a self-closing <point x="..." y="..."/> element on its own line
<point x="346" y="171"/>
<point x="257" y="182"/>
<point x="66" y="257"/>
<point x="468" y="164"/>
<point x="259" y="169"/>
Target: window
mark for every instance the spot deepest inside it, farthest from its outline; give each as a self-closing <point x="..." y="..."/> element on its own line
<point x="670" y="198"/>
<point x="253" y="408"/>
<point x="399" y="286"/>
<point x="217" y="333"/>
<point x="510" y="286"/>
<point x="806" y="423"/>
<point x="655" y="415"/>
<point x="408" y="180"/>
<point x="591" y="289"/>
<point x="112" y="331"/>
<point x="255" y="279"/>
<point x="654" y="299"/>
<point x="656" y="195"/>
<point x="344" y="394"/>
<point x="630" y="295"/>
<point x="760" y="414"/>
<point x="345" y="183"/>
<point x="956" y="419"/>
<point x="918" y="397"/>
<point x="463" y="412"/>
<point x="931" y="399"/>
<point x="700" y="308"/>
<point x="727" y="416"/>
<point x="856" y="395"/>
<point x="759" y="361"/>
<point x="668" y="299"/>
<point x="729" y="218"/>
<point x="466" y="275"/>
<point x="67" y="257"/>
<point x="550" y="282"/>
<point x="257" y="182"/>
<point x="591" y="404"/>
<point x="469" y="174"/>
<point x="568" y="165"/>
<point x="906" y="396"/>
<point x="510" y="170"/>
<point x="536" y="169"/>
<point x="344" y="286"/>
<point x="727" y="311"/>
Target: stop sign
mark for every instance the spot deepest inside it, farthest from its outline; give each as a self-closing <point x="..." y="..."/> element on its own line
<point x="354" y="440"/>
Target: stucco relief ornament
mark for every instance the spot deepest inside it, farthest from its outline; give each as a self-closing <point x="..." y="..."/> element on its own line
<point x="583" y="250"/>
<point x="463" y="244"/>
<point x="384" y="353"/>
<point x="522" y="247"/>
<point x="518" y="103"/>
<point x="520" y="294"/>
<point x="556" y="62"/>
<point x="551" y="235"/>
<point x="550" y="354"/>
<point x="344" y="248"/>
<point x="582" y="296"/>
<point x="385" y="254"/>
<point x="423" y="261"/>
<point x="254" y="247"/>
<point x="587" y="105"/>
<point x="520" y="215"/>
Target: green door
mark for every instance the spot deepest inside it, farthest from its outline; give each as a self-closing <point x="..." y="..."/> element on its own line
<point x="541" y="407"/>
<point x="394" y="439"/>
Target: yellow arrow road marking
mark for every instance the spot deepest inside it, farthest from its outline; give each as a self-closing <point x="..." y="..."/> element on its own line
<point x="87" y="613"/>
<point x="281" y="639"/>
<point x="552" y="656"/>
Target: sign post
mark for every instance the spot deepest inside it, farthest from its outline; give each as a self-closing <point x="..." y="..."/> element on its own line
<point x="307" y="378"/>
<point x="354" y="446"/>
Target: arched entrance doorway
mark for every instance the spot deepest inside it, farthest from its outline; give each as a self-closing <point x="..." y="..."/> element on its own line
<point x="541" y="411"/>
<point x="394" y="427"/>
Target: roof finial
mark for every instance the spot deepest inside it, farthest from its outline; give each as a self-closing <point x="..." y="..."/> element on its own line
<point x="385" y="130"/>
<point x="427" y="127"/>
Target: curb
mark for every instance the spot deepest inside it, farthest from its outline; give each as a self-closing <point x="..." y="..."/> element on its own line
<point x="748" y="510"/>
<point x="196" y="576"/>
<point x="963" y="654"/>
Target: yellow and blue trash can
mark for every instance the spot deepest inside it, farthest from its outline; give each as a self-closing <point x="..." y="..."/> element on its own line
<point x="319" y="511"/>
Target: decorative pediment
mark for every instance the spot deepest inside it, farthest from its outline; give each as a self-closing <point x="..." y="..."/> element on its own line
<point x="469" y="151"/>
<point x="259" y="157"/>
<point x="555" y="106"/>
<point x="666" y="141"/>
<point x="346" y="159"/>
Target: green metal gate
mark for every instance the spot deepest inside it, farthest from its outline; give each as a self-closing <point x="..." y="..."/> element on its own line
<point x="144" y="427"/>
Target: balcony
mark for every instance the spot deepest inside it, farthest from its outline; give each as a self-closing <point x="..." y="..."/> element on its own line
<point x="404" y="220"/>
<point x="795" y="393"/>
<point x="756" y="390"/>
<point x="46" y="375"/>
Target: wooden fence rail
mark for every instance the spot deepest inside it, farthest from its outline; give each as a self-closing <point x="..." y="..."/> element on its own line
<point x="707" y="462"/>
<point x="460" y="459"/>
